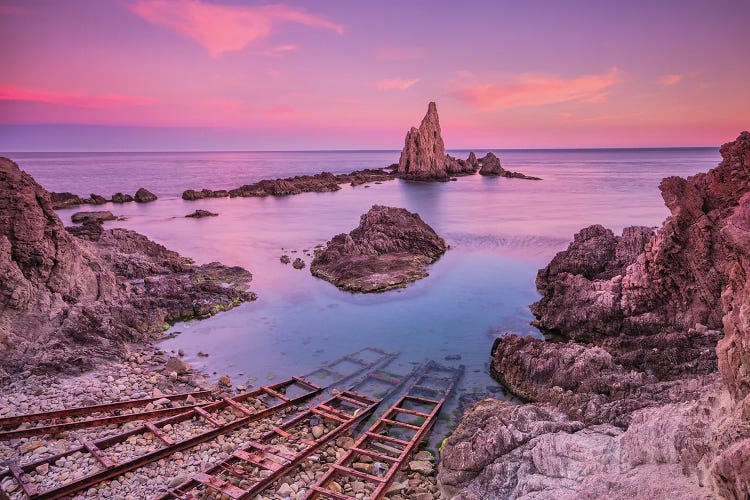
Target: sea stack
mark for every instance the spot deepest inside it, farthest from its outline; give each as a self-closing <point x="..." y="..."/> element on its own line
<point x="423" y="157"/>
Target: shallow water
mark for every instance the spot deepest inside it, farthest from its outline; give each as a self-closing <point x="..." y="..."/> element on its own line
<point x="500" y="232"/>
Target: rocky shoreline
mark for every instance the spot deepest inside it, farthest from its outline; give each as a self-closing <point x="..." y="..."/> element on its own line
<point x="69" y="200"/>
<point x="74" y="296"/>
<point x="645" y="395"/>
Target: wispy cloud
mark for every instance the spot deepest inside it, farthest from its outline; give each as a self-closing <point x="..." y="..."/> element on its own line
<point x="397" y="83"/>
<point x="225" y="28"/>
<point x="77" y="100"/>
<point x="538" y="90"/>
<point x="277" y="51"/>
<point x="280" y="111"/>
<point x="669" y="80"/>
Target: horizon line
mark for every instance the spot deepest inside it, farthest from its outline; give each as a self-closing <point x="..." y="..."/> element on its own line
<point x="610" y="148"/>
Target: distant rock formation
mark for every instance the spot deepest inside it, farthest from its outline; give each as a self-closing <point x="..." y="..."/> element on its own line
<point x="69" y="200"/>
<point x="83" y="217"/>
<point x="424" y="159"/>
<point x="319" y="183"/>
<point x="67" y="298"/>
<point x="490" y="166"/>
<point x="632" y="405"/>
<point x="143" y="195"/>
<point x="390" y="248"/>
<point x="198" y="214"/>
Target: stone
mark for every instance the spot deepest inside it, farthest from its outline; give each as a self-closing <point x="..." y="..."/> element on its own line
<point x="285" y="259"/>
<point x="284" y="490"/>
<point x="390" y="248"/>
<point x="199" y="214"/>
<point x="178" y="480"/>
<point x="318" y="431"/>
<point x="423" y="156"/>
<point x="423" y="467"/>
<point x="298" y="263"/>
<point x="96" y="217"/>
<point x="121" y="198"/>
<point x="490" y="166"/>
<point x="143" y="195"/>
<point x="225" y="381"/>
<point x="175" y="364"/>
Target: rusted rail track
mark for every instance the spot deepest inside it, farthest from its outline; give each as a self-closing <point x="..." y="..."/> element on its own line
<point x="384" y="441"/>
<point x="93" y="416"/>
<point x="273" y="398"/>
<point x="342" y="411"/>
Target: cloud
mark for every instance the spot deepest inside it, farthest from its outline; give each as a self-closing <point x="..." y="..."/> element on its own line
<point x="225" y="28"/>
<point x="397" y="83"/>
<point x="669" y="80"/>
<point x="77" y="100"/>
<point x="276" y="51"/>
<point x="280" y="111"/>
<point x="539" y="90"/>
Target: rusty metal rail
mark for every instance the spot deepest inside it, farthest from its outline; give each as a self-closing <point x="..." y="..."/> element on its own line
<point x="273" y="397"/>
<point x="414" y="414"/>
<point x="50" y="422"/>
<point x="343" y="411"/>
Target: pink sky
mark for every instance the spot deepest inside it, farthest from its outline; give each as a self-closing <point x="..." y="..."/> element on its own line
<point x="352" y="75"/>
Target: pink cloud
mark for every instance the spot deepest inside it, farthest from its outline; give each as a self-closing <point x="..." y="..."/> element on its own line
<point x="76" y="100"/>
<point x="225" y="28"/>
<point x="537" y="90"/>
<point x="669" y="80"/>
<point x="397" y="83"/>
<point x="280" y="111"/>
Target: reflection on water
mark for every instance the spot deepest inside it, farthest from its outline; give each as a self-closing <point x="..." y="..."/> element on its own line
<point x="500" y="232"/>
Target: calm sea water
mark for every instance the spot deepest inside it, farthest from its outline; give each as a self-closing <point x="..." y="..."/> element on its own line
<point x="500" y="232"/>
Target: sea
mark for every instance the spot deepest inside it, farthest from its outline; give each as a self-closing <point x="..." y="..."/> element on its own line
<point x="500" y="232"/>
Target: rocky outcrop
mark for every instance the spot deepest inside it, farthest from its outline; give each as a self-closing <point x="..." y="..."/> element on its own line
<point x="423" y="157"/>
<point x="390" y="248"/>
<point x="198" y="214"/>
<point x="319" y="183"/>
<point x="489" y="165"/>
<point x="69" y="200"/>
<point x="143" y="195"/>
<point x="634" y="397"/>
<point x="68" y="298"/>
<point x="83" y="217"/>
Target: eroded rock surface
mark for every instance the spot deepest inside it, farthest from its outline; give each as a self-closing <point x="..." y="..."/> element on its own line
<point x="143" y="195"/>
<point x="489" y="165"/>
<point x="71" y="297"/>
<point x="390" y="248"/>
<point x="631" y="405"/>
<point x="84" y="217"/>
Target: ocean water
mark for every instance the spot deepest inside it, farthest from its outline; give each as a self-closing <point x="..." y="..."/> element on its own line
<point x="500" y="232"/>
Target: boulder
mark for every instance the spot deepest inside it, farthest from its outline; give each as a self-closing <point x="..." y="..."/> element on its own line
<point x="198" y="214"/>
<point x="143" y="195"/>
<point x="121" y="198"/>
<point x="96" y="217"/>
<point x="391" y="248"/>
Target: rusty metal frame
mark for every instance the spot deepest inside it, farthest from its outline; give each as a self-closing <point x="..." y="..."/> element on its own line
<point x="94" y="422"/>
<point x="319" y="490"/>
<point x="259" y="453"/>
<point x="110" y="470"/>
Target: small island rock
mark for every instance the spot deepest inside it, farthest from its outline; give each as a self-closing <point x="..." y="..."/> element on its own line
<point x="96" y="217"/>
<point x="201" y="213"/>
<point x="143" y="195"/>
<point x="390" y="248"/>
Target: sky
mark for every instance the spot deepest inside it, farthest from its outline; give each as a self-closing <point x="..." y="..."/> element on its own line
<point x="116" y="75"/>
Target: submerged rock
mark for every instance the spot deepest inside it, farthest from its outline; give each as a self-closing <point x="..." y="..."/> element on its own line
<point x="97" y="217"/>
<point x="285" y="259"/>
<point x="201" y="213"/>
<point x="390" y="248"/>
<point x="143" y="195"/>
<point x="632" y="405"/>
<point x="68" y="300"/>
<point x="298" y="263"/>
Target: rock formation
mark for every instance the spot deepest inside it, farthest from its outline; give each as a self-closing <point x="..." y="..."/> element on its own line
<point x="318" y="183"/>
<point x="490" y="166"/>
<point x="390" y="248"/>
<point x="198" y="214"/>
<point x="632" y="405"/>
<point x="423" y="157"/>
<point x="121" y="198"/>
<point x="83" y="217"/>
<point x="143" y="195"/>
<point x="70" y="297"/>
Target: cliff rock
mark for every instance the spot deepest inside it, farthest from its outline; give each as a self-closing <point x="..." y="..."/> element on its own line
<point x="70" y="297"/>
